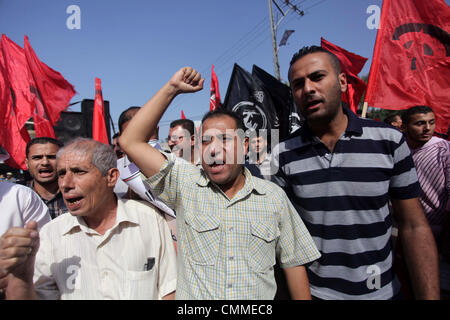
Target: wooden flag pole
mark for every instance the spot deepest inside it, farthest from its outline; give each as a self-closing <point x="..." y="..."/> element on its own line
<point x="364" y="110"/>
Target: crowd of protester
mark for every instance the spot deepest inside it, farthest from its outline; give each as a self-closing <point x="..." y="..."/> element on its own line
<point x="222" y="215"/>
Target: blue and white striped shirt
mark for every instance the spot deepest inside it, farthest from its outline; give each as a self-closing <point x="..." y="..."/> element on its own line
<point x="342" y="197"/>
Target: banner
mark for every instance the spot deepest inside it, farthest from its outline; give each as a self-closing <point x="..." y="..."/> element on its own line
<point x="99" y="132"/>
<point x="281" y="96"/>
<point x="249" y="99"/>
<point x="351" y="65"/>
<point x="214" y="101"/>
<point x="286" y="35"/>
<point x="411" y="60"/>
<point x="15" y="102"/>
<point x="52" y="92"/>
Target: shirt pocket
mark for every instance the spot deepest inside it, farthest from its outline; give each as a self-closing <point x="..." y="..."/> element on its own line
<point x="202" y="238"/>
<point x="262" y="245"/>
<point x="141" y="285"/>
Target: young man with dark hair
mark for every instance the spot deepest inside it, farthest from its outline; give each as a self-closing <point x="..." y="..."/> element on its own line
<point x="394" y="120"/>
<point x="126" y="116"/>
<point x="231" y="226"/>
<point x="431" y="157"/>
<point x="340" y="171"/>
<point x="41" y="163"/>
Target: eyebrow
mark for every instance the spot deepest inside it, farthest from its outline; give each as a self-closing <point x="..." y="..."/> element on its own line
<point x="314" y="73"/>
<point x="72" y="169"/>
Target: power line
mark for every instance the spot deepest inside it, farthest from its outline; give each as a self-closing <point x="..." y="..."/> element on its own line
<point x="241" y="48"/>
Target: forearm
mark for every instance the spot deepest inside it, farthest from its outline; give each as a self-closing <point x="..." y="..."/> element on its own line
<point x="147" y="118"/>
<point x="18" y="289"/>
<point x="421" y="259"/>
<point x="298" y="283"/>
<point x="134" y="139"/>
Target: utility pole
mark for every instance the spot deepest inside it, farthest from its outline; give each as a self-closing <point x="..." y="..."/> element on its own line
<point x="274" y="27"/>
<point x="274" y="43"/>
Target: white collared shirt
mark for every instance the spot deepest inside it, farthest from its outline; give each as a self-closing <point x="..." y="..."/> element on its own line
<point x="135" y="259"/>
<point x="20" y="205"/>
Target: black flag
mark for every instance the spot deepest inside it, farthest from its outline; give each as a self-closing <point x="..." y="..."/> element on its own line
<point x="285" y="37"/>
<point x="281" y="97"/>
<point x="249" y="99"/>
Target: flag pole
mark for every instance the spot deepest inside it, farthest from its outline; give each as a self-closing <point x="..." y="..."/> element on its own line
<point x="364" y="110"/>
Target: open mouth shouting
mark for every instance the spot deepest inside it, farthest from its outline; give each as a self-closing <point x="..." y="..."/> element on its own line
<point x="216" y="167"/>
<point x="46" y="172"/>
<point x="73" y="202"/>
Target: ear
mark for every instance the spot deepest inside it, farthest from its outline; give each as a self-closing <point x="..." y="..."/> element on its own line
<point x="112" y="176"/>
<point x="245" y="144"/>
<point x="26" y="163"/>
<point x="343" y="81"/>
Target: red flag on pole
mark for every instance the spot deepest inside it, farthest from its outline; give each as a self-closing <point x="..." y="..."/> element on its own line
<point x="15" y="102"/>
<point x="13" y="138"/>
<point x="99" y="132"/>
<point x="53" y="93"/>
<point x="351" y="65"/>
<point x="182" y="115"/>
<point x="16" y="70"/>
<point x="214" y="101"/>
<point x="411" y="60"/>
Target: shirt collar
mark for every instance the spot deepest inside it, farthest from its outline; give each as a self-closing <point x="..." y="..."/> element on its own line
<point x="30" y="184"/>
<point x="354" y="126"/>
<point x="122" y="215"/>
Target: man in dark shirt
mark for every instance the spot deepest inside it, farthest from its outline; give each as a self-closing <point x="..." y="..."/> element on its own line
<point x="41" y="163"/>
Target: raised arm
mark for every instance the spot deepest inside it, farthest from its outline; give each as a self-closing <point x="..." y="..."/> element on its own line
<point x="134" y="139"/>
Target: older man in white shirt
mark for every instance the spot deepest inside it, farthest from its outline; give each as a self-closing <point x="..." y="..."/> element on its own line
<point x="105" y="249"/>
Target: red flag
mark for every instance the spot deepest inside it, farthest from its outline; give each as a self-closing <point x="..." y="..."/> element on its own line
<point x="13" y="138"/>
<point x="99" y="132"/>
<point x="15" y="102"/>
<point x="351" y="65"/>
<point x="411" y="60"/>
<point x="52" y="92"/>
<point x="16" y="70"/>
<point x="214" y="101"/>
<point x="182" y="115"/>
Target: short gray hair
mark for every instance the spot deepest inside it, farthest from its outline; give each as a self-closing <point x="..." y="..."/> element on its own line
<point x="102" y="155"/>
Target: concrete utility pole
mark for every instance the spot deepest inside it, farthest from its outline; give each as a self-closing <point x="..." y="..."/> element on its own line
<point x="273" y="29"/>
<point x="274" y="43"/>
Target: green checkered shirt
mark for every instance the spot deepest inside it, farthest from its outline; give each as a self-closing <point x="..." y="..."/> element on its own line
<point x="227" y="248"/>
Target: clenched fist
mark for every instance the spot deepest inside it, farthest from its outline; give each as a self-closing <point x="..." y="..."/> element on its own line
<point x="187" y="80"/>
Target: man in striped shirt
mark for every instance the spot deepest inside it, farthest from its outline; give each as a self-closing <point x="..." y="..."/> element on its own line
<point x="340" y="171"/>
<point x="431" y="157"/>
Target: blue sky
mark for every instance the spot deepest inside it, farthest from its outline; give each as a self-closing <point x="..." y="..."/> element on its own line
<point x="135" y="46"/>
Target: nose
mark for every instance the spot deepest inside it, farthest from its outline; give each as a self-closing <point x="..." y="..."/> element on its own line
<point x="45" y="160"/>
<point x="308" y="86"/>
<point x="65" y="182"/>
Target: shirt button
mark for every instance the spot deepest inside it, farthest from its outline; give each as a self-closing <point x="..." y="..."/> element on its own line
<point x="231" y="258"/>
<point x="104" y="274"/>
<point x="229" y="286"/>
<point x="230" y="229"/>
